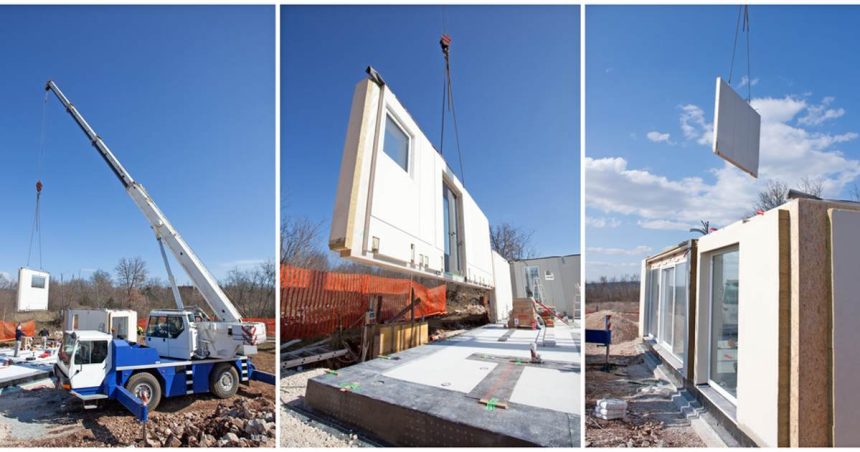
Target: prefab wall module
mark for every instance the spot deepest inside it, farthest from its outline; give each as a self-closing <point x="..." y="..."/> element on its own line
<point x="552" y="280"/>
<point x="398" y="204"/>
<point x="772" y="336"/>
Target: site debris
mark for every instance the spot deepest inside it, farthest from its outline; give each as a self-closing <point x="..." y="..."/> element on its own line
<point x="657" y="414"/>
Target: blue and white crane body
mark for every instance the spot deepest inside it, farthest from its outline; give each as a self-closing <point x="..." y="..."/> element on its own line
<point x="186" y="353"/>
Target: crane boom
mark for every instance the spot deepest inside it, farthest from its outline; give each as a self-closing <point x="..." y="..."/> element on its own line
<point x="199" y="274"/>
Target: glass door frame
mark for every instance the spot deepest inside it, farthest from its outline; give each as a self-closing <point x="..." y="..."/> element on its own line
<point x="716" y="386"/>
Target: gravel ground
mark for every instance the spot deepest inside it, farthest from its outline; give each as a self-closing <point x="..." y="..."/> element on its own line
<point x="297" y="432"/>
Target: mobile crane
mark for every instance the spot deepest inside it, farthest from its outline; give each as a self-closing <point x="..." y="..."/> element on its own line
<point x="185" y="353"/>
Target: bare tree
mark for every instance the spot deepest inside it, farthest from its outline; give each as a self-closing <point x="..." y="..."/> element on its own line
<point x="102" y="284"/>
<point x="252" y="290"/>
<point x="855" y="192"/>
<point x="131" y="274"/>
<point x="511" y="242"/>
<point x="299" y="244"/>
<point x="775" y="192"/>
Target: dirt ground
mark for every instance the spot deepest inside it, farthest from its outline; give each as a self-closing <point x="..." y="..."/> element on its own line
<point x="51" y="418"/>
<point x="299" y="432"/>
<point x="653" y="419"/>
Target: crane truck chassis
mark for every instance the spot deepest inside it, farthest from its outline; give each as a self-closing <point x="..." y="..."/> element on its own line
<point x="186" y="353"/>
<point x="93" y="366"/>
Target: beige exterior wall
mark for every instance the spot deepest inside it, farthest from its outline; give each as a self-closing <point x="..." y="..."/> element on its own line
<point x="758" y="391"/>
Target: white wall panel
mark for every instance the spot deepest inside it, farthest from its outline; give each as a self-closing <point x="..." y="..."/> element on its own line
<point x="502" y="300"/>
<point x="845" y="226"/>
<point x="378" y="201"/>
<point x="33" y="286"/>
<point x="737" y="129"/>
<point x="758" y="244"/>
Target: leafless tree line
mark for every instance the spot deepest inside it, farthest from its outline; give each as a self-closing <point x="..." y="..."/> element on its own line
<point x="252" y="290"/>
<point x="605" y="289"/>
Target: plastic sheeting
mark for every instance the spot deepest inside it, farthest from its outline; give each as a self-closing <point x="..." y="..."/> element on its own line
<point x="317" y="303"/>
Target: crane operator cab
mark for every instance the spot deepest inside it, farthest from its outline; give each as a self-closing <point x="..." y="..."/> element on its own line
<point x="190" y="334"/>
<point x="173" y="332"/>
<point x="84" y="359"/>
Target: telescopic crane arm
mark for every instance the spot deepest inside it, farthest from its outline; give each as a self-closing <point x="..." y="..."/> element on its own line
<point x="200" y="276"/>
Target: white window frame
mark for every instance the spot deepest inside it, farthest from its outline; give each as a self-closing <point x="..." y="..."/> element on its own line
<point x="655" y="334"/>
<point x="409" y="138"/>
<point x="710" y="256"/>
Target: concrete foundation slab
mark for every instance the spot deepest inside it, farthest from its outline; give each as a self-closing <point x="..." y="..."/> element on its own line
<point x="431" y="395"/>
<point x="546" y="388"/>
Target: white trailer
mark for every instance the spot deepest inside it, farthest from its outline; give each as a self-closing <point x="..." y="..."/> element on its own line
<point x="119" y="323"/>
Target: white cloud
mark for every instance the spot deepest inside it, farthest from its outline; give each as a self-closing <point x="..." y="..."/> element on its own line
<point x="818" y="114"/>
<point x="665" y="225"/>
<point x="640" y="250"/>
<point x="788" y="153"/>
<point x="602" y="222"/>
<point x="694" y="126"/>
<point x="658" y="137"/>
<point x="745" y="80"/>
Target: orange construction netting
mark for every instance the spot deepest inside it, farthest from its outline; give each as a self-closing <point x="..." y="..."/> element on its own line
<point x="7" y="329"/>
<point x="318" y="303"/>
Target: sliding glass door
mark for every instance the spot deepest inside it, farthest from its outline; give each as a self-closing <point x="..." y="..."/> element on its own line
<point x="723" y="373"/>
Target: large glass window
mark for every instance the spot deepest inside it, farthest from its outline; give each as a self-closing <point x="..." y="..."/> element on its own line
<point x="679" y="313"/>
<point x="667" y="297"/>
<point x="724" y="321"/>
<point x="653" y="301"/>
<point x="666" y="306"/>
<point x="396" y="143"/>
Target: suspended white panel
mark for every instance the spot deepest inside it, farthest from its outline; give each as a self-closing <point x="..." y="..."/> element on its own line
<point x="398" y="205"/>
<point x="737" y="129"/>
<point x="33" y="289"/>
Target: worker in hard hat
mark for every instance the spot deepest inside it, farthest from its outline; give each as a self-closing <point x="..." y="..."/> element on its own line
<point x="19" y="336"/>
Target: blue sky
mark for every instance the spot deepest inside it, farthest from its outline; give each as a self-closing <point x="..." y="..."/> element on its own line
<point x="184" y="96"/>
<point x="516" y="83"/>
<point x="650" y="82"/>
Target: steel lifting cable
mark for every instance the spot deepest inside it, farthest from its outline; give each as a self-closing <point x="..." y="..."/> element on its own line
<point x="36" y="230"/>
<point x="448" y="98"/>
<point x="743" y="12"/>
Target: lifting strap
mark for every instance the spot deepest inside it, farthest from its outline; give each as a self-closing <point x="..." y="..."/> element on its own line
<point x="448" y="101"/>
<point x="36" y="230"/>
<point x="743" y="11"/>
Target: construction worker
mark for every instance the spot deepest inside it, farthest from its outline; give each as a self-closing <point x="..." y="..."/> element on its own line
<point x="44" y="335"/>
<point x="19" y="336"/>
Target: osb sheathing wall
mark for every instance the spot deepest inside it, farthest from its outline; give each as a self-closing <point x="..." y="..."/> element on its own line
<point x="811" y="407"/>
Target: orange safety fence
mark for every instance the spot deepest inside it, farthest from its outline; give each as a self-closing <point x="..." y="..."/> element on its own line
<point x="7" y="329"/>
<point x="317" y="303"/>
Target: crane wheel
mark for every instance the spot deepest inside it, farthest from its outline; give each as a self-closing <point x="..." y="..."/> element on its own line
<point x="224" y="381"/>
<point x="146" y="387"/>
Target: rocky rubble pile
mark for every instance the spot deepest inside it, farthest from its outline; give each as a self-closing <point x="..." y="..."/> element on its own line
<point x="238" y="423"/>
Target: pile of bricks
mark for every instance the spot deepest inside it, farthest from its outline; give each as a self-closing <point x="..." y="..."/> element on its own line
<point x="523" y="314"/>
